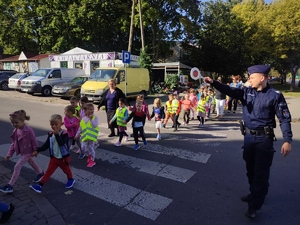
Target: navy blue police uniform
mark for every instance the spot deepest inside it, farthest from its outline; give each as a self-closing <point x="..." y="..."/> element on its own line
<point x="259" y="110"/>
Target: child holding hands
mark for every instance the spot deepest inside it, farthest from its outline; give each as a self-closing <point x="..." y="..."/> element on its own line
<point x="23" y="143"/>
<point x="88" y="132"/>
<point x="137" y="116"/>
<point x="159" y="113"/>
<point x="57" y="143"/>
<point x="121" y="117"/>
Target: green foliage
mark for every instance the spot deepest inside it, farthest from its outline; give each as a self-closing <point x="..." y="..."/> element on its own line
<point x="171" y="80"/>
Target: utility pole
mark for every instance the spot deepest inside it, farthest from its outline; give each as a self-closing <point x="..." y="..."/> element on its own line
<point x="141" y="25"/>
<point x="131" y="26"/>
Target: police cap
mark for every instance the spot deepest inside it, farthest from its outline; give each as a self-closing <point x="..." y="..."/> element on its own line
<point x="259" y="69"/>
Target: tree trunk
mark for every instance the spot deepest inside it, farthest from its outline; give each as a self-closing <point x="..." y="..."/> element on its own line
<point x="131" y="26"/>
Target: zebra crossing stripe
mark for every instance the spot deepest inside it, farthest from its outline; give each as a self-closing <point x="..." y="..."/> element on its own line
<point x="141" y="202"/>
<point x="165" y="150"/>
<point x="142" y="165"/>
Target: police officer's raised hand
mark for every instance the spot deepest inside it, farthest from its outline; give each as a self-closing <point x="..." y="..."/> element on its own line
<point x="208" y="80"/>
<point x="286" y="148"/>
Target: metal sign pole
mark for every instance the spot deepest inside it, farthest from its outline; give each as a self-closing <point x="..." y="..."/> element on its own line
<point x="125" y="80"/>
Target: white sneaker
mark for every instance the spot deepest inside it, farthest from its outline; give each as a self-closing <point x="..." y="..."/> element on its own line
<point x="72" y="147"/>
<point x="127" y="138"/>
<point x="118" y="144"/>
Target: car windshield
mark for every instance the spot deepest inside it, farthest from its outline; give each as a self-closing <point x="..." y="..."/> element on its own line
<point x="103" y="74"/>
<point x="79" y="80"/>
<point x="18" y="75"/>
<point x="41" y="73"/>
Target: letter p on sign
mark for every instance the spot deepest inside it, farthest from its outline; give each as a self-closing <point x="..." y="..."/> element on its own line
<point x="125" y="57"/>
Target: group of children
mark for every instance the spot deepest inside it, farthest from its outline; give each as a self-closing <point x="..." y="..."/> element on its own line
<point x="81" y="128"/>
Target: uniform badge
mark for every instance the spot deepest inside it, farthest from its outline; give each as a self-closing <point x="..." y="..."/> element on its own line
<point x="286" y="113"/>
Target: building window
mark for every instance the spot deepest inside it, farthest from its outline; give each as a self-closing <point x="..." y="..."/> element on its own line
<point x="94" y="66"/>
<point x="63" y="64"/>
<point x="78" y="65"/>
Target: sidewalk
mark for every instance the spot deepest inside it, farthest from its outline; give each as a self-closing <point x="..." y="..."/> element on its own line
<point x="30" y="208"/>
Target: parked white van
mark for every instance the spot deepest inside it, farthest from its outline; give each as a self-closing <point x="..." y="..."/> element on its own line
<point x="42" y="80"/>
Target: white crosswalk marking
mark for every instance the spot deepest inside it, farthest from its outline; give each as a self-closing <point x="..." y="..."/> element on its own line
<point x="133" y="199"/>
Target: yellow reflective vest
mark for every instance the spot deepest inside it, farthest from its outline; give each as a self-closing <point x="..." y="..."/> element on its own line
<point x="201" y="105"/>
<point x="175" y="105"/>
<point x="88" y="132"/>
<point x="121" y="117"/>
<point x="169" y="107"/>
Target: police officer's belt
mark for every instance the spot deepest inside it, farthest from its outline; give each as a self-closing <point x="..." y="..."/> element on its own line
<point x="255" y="132"/>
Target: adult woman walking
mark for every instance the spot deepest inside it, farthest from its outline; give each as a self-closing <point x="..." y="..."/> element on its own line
<point x="220" y="101"/>
<point x="236" y="83"/>
<point x="110" y="99"/>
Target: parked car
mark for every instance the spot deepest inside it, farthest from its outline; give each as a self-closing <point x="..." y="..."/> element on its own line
<point x="275" y="81"/>
<point x="14" y="82"/>
<point x="69" y="89"/>
<point x="4" y="76"/>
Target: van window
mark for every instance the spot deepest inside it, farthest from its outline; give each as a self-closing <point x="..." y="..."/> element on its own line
<point x="102" y="75"/>
<point x="41" y="73"/>
<point x="121" y="75"/>
<point x="56" y="74"/>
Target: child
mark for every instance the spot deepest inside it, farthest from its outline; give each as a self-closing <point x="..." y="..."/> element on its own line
<point x="121" y="116"/>
<point x="187" y="105"/>
<point x="137" y="124"/>
<point x="74" y="102"/>
<point x="71" y="122"/>
<point x="23" y="143"/>
<point x="169" y="111"/>
<point x="201" y="109"/>
<point x="144" y="107"/>
<point x="82" y="102"/>
<point x="176" y="108"/>
<point x="57" y="143"/>
<point x="193" y="98"/>
<point x="159" y="113"/>
<point x="88" y="131"/>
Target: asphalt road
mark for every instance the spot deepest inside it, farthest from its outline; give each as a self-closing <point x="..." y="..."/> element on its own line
<point x="193" y="176"/>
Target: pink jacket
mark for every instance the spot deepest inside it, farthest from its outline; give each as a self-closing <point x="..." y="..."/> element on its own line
<point x="25" y="144"/>
<point x="72" y="125"/>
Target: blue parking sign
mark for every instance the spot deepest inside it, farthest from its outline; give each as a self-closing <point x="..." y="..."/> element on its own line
<point x="125" y="56"/>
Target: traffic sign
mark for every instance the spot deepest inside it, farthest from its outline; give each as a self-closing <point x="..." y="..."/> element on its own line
<point x="195" y="73"/>
<point x="125" y="56"/>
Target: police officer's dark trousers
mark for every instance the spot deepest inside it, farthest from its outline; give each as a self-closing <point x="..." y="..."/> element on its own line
<point x="258" y="154"/>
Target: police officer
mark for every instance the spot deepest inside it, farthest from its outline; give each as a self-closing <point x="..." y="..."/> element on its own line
<point x="260" y="105"/>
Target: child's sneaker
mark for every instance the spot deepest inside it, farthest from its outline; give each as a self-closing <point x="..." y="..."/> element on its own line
<point x="145" y="142"/>
<point x="89" y="159"/>
<point x="118" y="144"/>
<point x="91" y="164"/>
<point x="36" y="187"/>
<point x="72" y="147"/>
<point x="38" y="177"/>
<point x="81" y="156"/>
<point x="164" y="125"/>
<point x="70" y="183"/>
<point x="158" y="137"/>
<point x="127" y="138"/>
<point x="7" y="189"/>
<point x="136" y="147"/>
<point x="78" y="151"/>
